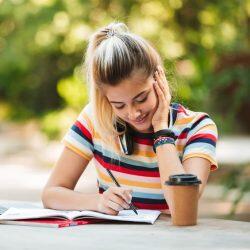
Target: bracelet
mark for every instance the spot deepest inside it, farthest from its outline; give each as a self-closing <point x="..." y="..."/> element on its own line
<point x="161" y="138"/>
<point x="165" y="133"/>
<point x="161" y="141"/>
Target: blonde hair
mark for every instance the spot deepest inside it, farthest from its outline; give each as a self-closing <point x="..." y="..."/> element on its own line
<point x="112" y="55"/>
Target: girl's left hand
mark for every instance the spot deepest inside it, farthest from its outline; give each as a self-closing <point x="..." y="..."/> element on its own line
<point x="160" y="118"/>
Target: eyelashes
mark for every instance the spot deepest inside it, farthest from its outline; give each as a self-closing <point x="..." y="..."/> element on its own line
<point x="119" y="107"/>
<point x="141" y="101"/>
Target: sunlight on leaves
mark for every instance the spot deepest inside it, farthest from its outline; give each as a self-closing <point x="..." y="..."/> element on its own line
<point x="228" y="32"/>
<point x="44" y="37"/>
<point x="207" y="39"/>
<point x="61" y="22"/>
<point x="184" y="91"/>
<point x="56" y="123"/>
<point x="73" y="91"/>
<point x="185" y="68"/>
<point x="208" y="17"/>
<point x="175" y="4"/>
<point x="43" y="2"/>
<point x="145" y="26"/>
<point x="172" y="50"/>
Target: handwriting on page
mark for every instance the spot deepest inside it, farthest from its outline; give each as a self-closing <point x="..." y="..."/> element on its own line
<point x="130" y="214"/>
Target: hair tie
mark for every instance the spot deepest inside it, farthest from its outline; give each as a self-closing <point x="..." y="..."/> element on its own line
<point x="111" y="33"/>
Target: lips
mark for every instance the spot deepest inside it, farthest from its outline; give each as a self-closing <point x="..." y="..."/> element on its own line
<point x="141" y="119"/>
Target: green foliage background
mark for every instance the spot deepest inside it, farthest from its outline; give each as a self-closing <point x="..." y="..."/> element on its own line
<point x="204" y="45"/>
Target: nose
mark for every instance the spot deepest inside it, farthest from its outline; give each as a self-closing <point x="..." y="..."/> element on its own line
<point x="133" y="113"/>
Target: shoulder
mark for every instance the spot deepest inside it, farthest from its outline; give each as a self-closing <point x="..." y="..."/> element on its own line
<point x="87" y="109"/>
<point x="189" y="118"/>
<point x="87" y="112"/>
<point x="197" y="135"/>
<point x="86" y="118"/>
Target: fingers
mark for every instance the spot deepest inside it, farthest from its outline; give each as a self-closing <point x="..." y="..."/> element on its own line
<point x="114" y="206"/>
<point x="124" y="193"/>
<point x="161" y="79"/>
<point x="116" y="199"/>
<point x="161" y="85"/>
<point x="119" y="201"/>
<point x="160" y="94"/>
<point x="108" y="210"/>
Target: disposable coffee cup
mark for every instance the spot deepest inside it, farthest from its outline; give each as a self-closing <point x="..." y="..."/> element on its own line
<point x="184" y="192"/>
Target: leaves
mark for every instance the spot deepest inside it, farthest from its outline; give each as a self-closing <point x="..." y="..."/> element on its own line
<point x="42" y="44"/>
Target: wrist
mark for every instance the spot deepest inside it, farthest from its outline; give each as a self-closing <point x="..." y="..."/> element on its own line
<point x="94" y="202"/>
<point x="163" y="140"/>
<point x="160" y="126"/>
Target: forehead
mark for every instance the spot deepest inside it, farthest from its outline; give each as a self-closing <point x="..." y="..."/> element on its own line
<point x="128" y="88"/>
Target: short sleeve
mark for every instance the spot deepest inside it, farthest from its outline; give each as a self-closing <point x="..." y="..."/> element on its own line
<point x="79" y="137"/>
<point x="201" y="141"/>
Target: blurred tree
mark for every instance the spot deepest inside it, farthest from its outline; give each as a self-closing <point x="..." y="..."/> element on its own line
<point x="42" y="44"/>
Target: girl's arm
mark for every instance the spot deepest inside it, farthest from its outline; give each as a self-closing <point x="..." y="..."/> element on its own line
<point x="167" y="155"/>
<point x="59" y="191"/>
<point x="169" y="164"/>
<point x="199" y="167"/>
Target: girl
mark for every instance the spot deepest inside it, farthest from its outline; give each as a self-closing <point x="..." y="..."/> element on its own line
<point x="131" y="128"/>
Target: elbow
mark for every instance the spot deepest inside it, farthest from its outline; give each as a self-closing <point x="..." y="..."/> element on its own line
<point x="45" y="197"/>
<point x="199" y="195"/>
<point x="201" y="190"/>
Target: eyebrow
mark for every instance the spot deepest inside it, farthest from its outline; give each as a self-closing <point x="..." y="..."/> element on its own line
<point x="133" y="97"/>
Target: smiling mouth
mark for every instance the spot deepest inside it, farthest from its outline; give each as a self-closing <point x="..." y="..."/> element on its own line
<point x="141" y="119"/>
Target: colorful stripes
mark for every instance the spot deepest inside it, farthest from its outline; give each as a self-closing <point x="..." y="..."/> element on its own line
<point x="196" y="137"/>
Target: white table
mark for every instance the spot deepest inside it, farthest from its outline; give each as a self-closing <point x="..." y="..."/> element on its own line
<point x="208" y="234"/>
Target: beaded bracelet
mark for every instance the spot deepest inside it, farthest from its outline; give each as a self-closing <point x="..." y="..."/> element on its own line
<point x="162" y="137"/>
<point x="165" y="139"/>
<point x="161" y="141"/>
<point x="164" y="133"/>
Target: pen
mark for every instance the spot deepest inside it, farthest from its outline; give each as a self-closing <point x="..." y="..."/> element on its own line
<point x="118" y="185"/>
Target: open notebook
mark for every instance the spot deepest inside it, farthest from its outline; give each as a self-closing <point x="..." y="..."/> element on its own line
<point x="29" y="215"/>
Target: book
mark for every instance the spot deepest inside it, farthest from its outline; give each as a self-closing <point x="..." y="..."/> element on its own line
<point x="48" y="217"/>
<point x="50" y="222"/>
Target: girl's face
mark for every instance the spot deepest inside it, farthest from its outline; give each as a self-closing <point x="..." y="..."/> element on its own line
<point x="134" y="100"/>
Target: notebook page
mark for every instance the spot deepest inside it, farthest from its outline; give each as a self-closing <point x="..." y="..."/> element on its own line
<point x="147" y="216"/>
<point x="144" y="215"/>
<point x="29" y="213"/>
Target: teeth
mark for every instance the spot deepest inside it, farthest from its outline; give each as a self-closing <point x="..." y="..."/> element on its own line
<point x="141" y="119"/>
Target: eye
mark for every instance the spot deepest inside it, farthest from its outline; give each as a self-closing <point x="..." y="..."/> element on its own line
<point x="139" y="101"/>
<point x="143" y="100"/>
<point x="121" y="107"/>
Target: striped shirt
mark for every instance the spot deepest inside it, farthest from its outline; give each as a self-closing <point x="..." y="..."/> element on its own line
<point x="196" y="137"/>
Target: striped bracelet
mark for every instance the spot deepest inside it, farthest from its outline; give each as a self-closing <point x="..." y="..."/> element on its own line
<point x="162" y="137"/>
<point x="162" y="140"/>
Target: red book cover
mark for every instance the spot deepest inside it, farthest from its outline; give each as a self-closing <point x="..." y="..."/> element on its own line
<point x="51" y="222"/>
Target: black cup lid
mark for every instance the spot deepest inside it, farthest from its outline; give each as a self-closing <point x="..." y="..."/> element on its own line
<point x="183" y="180"/>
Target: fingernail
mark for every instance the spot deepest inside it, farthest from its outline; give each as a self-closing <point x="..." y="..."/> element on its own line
<point x="130" y="198"/>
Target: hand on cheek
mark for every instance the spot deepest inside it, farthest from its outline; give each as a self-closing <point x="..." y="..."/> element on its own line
<point x="160" y="118"/>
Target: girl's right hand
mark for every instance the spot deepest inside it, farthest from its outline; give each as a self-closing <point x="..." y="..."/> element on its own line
<point x="113" y="200"/>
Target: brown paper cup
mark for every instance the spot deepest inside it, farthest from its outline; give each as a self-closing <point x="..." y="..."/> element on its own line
<point x="184" y="191"/>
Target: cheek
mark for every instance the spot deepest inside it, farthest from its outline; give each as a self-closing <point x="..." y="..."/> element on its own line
<point x="118" y="113"/>
<point x="152" y="102"/>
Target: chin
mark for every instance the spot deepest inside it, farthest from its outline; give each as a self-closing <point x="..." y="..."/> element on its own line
<point x="143" y="129"/>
